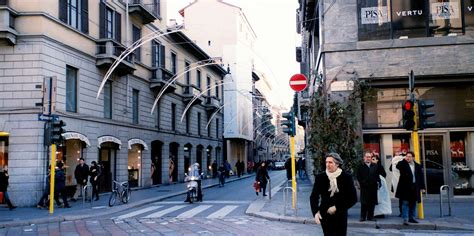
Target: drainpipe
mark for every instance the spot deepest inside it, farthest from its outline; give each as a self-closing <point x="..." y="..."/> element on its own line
<point x="127" y="43"/>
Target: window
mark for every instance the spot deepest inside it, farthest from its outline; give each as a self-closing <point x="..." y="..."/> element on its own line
<point x="137" y="34"/>
<point x="409" y="18"/>
<point x="469" y="15"/>
<point x="217" y="128"/>
<point x="208" y="86"/>
<point x="108" y="100"/>
<point x="71" y="89"/>
<point x="445" y="18"/>
<point x="199" y="123"/>
<point x="110" y="23"/>
<point x="3" y="150"/>
<point x="158" y="55"/>
<point x="217" y="90"/>
<point x="198" y="78"/>
<point x="374" y="20"/>
<point x="174" y="68"/>
<point x="135" y="106"/>
<point x="187" y="122"/>
<point x="158" y="115"/>
<point x="188" y="73"/>
<point x="208" y="127"/>
<point x="173" y="117"/>
<point x="75" y="13"/>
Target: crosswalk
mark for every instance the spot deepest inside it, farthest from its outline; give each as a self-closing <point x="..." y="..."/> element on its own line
<point x="209" y="210"/>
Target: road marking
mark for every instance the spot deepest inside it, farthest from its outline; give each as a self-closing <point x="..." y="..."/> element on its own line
<point x="194" y="211"/>
<point x="164" y="212"/>
<point x="221" y="213"/>
<point x="135" y="213"/>
<point x="207" y="202"/>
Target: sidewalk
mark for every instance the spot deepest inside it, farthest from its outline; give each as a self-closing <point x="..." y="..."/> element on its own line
<point x="32" y="215"/>
<point x="461" y="211"/>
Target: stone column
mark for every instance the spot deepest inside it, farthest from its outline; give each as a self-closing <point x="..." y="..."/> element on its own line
<point x="165" y="163"/>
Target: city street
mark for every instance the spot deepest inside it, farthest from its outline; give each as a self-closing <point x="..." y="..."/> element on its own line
<point x="221" y="213"/>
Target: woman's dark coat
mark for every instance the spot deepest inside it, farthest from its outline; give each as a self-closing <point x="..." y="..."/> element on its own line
<point x="3" y="181"/>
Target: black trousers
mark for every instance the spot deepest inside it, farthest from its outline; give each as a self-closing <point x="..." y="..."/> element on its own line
<point x="367" y="211"/>
<point x="335" y="225"/>
<point x="95" y="190"/>
<point x="61" y="192"/>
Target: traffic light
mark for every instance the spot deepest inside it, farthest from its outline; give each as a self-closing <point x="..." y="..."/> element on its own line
<point x="289" y="123"/>
<point x="423" y="106"/>
<point x="408" y="115"/>
<point x="57" y="130"/>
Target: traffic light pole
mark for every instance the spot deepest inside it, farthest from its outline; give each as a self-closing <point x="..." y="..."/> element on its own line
<point x="51" y="178"/>
<point x="293" y="169"/>
<point x="416" y="150"/>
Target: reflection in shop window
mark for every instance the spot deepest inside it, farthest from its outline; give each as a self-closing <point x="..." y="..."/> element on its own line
<point x="462" y="172"/>
<point x="445" y="18"/>
<point x="134" y="165"/>
<point x="71" y="156"/>
<point x="3" y="150"/>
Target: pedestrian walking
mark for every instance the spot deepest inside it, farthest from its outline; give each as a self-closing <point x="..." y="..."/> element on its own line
<point x="332" y="196"/>
<point x="221" y="171"/>
<point x="4" y="177"/>
<point x="262" y="178"/>
<point x="80" y="173"/>
<point x="409" y="186"/>
<point x="369" y="183"/>
<point x="299" y="167"/>
<point x="60" y="185"/>
<point x="227" y="168"/>
<point x="237" y="167"/>
<point x="95" y="173"/>
<point x="214" y="169"/>
<point x="288" y="168"/>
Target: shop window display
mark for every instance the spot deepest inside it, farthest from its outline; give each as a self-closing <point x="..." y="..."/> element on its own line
<point x="461" y="172"/>
<point x="134" y="165"/>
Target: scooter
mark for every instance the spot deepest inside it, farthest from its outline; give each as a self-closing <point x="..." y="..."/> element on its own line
<point x="192" y="187"/>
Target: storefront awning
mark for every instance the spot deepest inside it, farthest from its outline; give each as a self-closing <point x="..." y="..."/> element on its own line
<point x="75" y="135"/>
<point x="137" y="141"/>
<point x="105" y="139"/>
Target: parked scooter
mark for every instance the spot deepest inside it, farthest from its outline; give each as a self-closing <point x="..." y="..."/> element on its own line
<point x="193" y="186"/>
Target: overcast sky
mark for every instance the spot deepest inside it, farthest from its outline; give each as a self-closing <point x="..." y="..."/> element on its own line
<point x="274" y="22"/>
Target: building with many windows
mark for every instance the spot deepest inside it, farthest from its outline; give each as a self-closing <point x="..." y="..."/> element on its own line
<point x="227" y="34"/>
<point x="380" y="42"/>
<point x="135" y="125"/>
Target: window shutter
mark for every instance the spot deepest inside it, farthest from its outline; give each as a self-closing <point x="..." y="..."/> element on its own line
<point x="153" y="53"/>
<point x="85" y="16"/>
<point x="118" y="27"/>
<point x="162" y="56"/>
<point x="63" y="10"/>
<point x="102" y="10"/>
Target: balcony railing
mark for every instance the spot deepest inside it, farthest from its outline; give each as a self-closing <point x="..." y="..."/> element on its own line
<point x="212" y="104"/>
<point x="160" y="78"/>
<point x="8" y="33"/>
<point x="145" y="10"/>
<point x="108" y="50"/>
<point x="190" y="92"/>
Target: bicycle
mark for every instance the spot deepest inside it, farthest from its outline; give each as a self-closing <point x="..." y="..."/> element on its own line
<point x="122" y="191"/>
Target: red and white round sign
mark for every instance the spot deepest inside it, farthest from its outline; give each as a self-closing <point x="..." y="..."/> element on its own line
<point x="298" y="82"/>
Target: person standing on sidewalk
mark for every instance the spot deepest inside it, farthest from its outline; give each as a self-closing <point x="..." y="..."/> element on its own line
<point x="409" y="186"/>
<point x="4" y="186"/>
<point x="80" y="173"/>
<point x="369" y="182"/>
<point x="262" y="178"/>
<point x="332" y="196"/>
<point x="60" y="185"/>
<point x="95" y="173"/>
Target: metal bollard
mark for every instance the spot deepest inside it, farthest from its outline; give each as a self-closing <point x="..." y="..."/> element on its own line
<point x="270" y="189"/>
<point x="441" y="199"/>
<point x="85" y="192"/>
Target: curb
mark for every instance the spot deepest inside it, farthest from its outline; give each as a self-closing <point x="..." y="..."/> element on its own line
<point x="111" y="210"/>
<point x="256" y="206"/>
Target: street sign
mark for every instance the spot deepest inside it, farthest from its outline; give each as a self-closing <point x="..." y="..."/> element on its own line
<point x="298" y="82"/>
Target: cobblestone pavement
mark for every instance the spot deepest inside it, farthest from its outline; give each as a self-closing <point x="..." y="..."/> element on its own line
<point x="166" y="226"/>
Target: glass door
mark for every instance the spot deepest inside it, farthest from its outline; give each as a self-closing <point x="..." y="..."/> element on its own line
<point x="434" y="161"/>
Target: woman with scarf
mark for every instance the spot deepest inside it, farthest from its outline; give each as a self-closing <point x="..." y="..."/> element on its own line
<point x="333" y="194"/>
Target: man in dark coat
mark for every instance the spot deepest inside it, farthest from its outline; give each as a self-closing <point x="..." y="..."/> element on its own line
<point x="369" y="182"/>
<point x="60" y="185"/>
<point x="409" y="186"/>
<point x="332" y="196"/>
<point x="81" y="173"/>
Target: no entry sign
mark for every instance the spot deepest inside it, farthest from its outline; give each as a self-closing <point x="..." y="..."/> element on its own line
<point x="298" y="82"/>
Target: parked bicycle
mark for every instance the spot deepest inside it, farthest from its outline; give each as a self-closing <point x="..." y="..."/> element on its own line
<point x="122" y="191"/>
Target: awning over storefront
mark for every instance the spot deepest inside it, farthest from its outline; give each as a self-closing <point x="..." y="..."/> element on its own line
<point x="75" y="135"/>
<point x="104" y="139"/>
<point x="137" y="141"/>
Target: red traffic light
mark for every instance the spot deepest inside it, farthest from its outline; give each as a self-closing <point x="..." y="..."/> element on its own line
<point x="408" y="105"/>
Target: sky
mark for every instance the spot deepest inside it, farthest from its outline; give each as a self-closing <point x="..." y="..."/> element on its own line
<point x="274" y="22"/>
